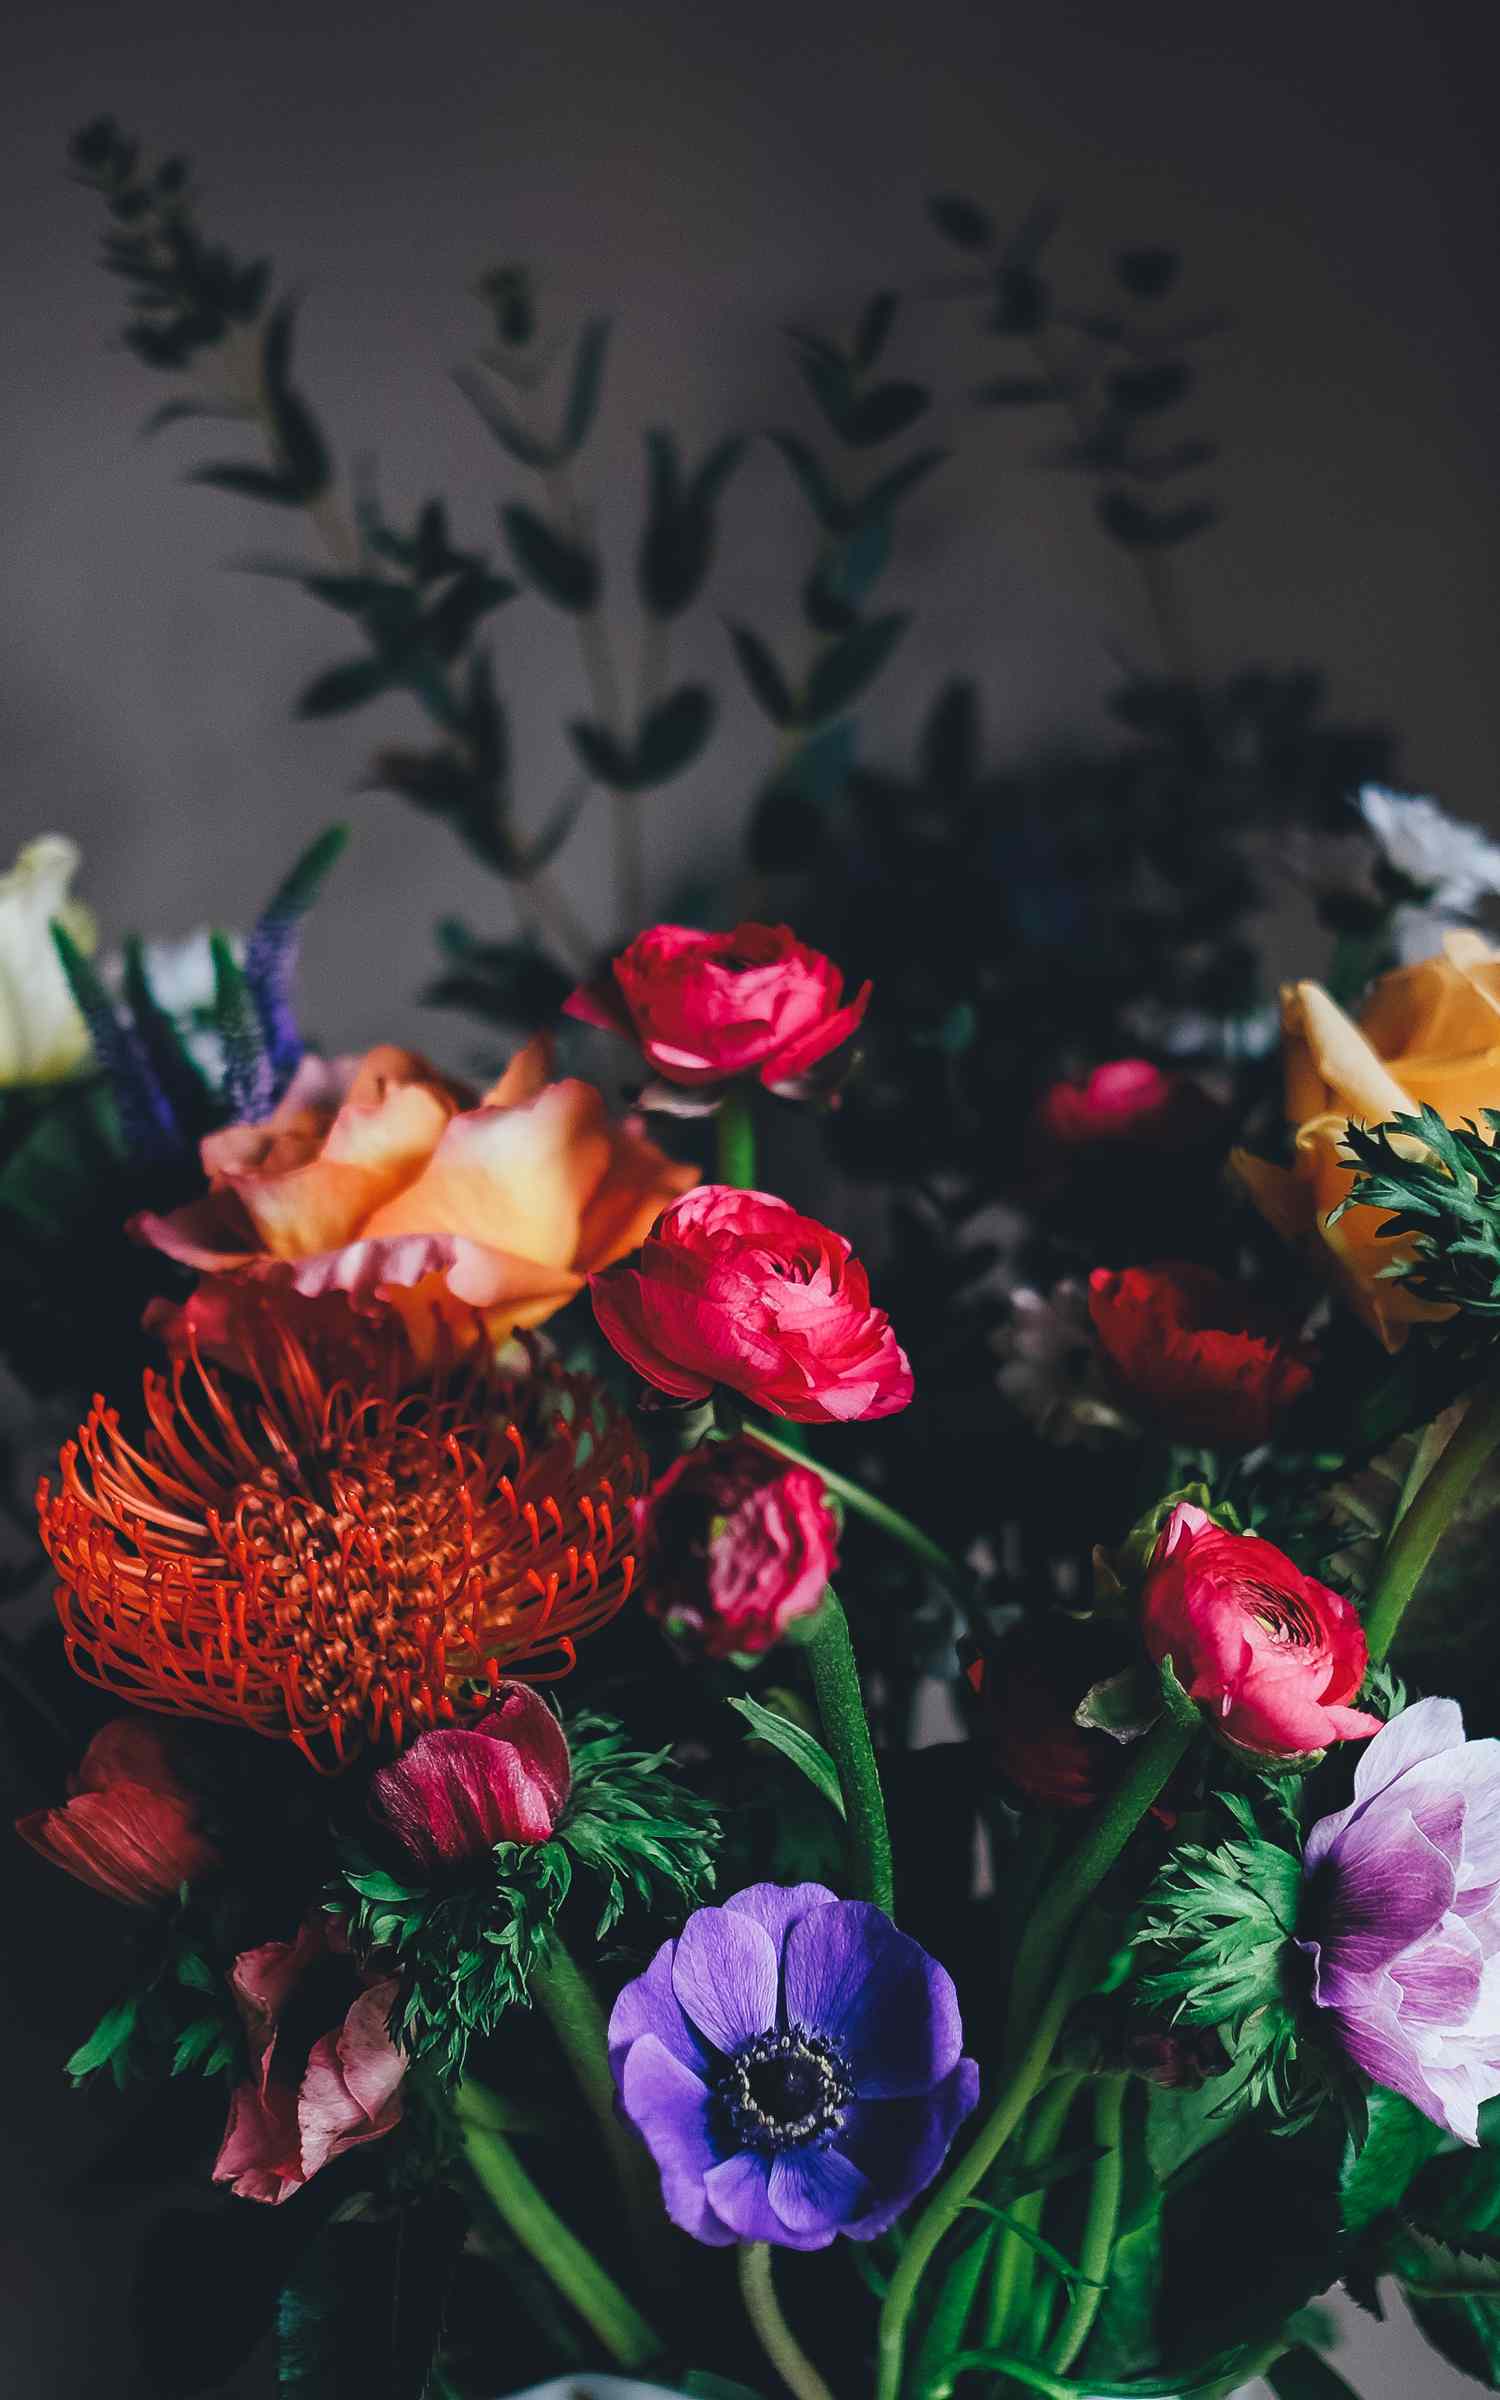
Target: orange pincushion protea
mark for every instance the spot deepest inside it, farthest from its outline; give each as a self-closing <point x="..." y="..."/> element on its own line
<point x="328" y="1564"/>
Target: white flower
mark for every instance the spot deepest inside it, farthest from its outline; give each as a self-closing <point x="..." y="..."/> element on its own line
<point x="1453" y="866"/>
<point x="1049" y="1365"/>
<point x="42" y="1035"/>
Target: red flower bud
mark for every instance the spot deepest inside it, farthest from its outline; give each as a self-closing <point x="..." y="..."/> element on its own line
<point x="737" y="1545"/>
<point x="1028" y="1690"/>
<point x="458" y="1791"/>
<point x="736" y="1288"/>
<point x="705" y="1007"/>
<point x="1273" y="1656"/>
<point x="1125" y="1100"/>
<point x="131" y="1827"/>
<point x="1195" y="1355"/>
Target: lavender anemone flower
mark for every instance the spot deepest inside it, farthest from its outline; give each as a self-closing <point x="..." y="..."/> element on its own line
<point x="793" y="2064"/>
<point x="1403" y="1921"/>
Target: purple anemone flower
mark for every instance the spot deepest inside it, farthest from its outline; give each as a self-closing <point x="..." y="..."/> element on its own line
<point x="1403" y="1916"/>
<point x="793" y="2064"/>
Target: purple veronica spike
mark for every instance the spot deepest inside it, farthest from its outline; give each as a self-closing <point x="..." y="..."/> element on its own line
<point x="794" y="2066"/>
<point x="1404" y="1915"/>
<point x="272" y="951"/>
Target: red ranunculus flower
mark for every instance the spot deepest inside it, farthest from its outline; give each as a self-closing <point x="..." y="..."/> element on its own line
<point x="131" y="1827"/>
<point x="737" y="1543"/>
<point x="308" y="2098"/>
<point x="1196" y="1355"/>
<point x="708" y="1006"/>
<point x="1273" y="1656"/>
<point x="736" y="1288"/>
<point x="1125" y="1100"/>
<point x="462" y="1788"/>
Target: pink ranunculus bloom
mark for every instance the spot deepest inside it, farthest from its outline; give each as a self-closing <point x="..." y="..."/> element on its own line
<point x="705" y="1007"/>
<point x="737" y="1545"/>
<point x="461" y="1789"/>
<point x="131" y="1827"/>
<point x="1124" y="1100"/>
<point x="736" y="1288"/>
<point x="305" y="2104"/>
<point x="1273" y="1656"/>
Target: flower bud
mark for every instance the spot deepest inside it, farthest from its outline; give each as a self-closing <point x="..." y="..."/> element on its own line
<point x="738" y="1545"/>
<point x="131" y="1827"/>
<point x="458" y="1791"/>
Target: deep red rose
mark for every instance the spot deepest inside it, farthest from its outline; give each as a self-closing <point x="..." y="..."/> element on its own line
<point x="737" y="1544"/>
<point x="736" y="1288"/>
<point x="705" y="1007"/>
<point x="1273" y="1656"/>
<point x="461" y="1789"/>
<point x="311" y="2093"/>
<point x="1126" y="1100"/>
<point x="1196" y="1355"/>
<point x="131" y="1828"/>
<point x="1028" y="1690"/>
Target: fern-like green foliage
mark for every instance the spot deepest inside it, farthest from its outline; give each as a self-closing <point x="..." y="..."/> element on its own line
<point x="1440" y="1187"/>
<point x="1216" y="1942"/>
<point x="468" y="1948"/>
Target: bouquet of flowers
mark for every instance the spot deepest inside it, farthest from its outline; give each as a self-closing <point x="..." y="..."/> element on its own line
<point x="687" y="1808"/>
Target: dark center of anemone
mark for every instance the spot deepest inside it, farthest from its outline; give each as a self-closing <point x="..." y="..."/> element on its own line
<point x="784" y="2089"/>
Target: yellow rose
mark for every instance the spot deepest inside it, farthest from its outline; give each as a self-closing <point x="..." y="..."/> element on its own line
<point x="42" y="1036"/>
<point x="1426" y="1033"/>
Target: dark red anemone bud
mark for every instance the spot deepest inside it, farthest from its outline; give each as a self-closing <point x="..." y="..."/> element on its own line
<point x="1028" y="1689"/>
<point x="131" y="1827"/>
<point x="461" y="1789"/>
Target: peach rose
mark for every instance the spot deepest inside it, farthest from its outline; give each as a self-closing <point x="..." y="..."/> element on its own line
<point x="379" y="1179"/>
<point x="1429" y="1032"/>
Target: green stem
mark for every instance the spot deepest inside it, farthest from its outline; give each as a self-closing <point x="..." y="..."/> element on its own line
<point x="1416" y="1534"/>
<point x="780" y="2344"/>
<point x="734" y="1129"/>
<point x="846" y="1728"/>
<point x="1014" y="2265"/>
<point x="865" y="1504"/>
<point x="1099" y="2225"/>
<point x="1153" y="1760"/>
<point x="567" y="2001"/>
<point x="1015" y="2097"/>
<point x="604" y="2308"/>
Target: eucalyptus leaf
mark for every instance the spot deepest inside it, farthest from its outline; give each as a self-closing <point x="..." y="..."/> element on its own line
<point x="560" y="569"/>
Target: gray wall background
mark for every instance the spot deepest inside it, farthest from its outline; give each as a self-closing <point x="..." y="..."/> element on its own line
<point x="707" y="172"/>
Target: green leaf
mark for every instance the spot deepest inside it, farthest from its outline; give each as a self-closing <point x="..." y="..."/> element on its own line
<point x="1466" y="2333"/>
<point x="816" y="487"/>
<point x="605" y="758"/>
<point x="874" y="328"/>
<point x="107" y="2043"/>
<point x="1400" y="2140"/>
<point x="883" y="498"/>
<point x="341" y="688"/>
<point x="879" y="415"/>
<point x="250" y="483"/>
<point x="363" y="2315"/>
<point x="302" y="451"/>
<point x="963" y="221"/>
<point x="674" y="734"/>
<point x="180" y="412"/>
<point x="587" y="386"/>
<point x="1303" y="2375"/>
<point x="559" y="568"/>
<point x="841" y="674"/>
<point x="1434" y="2269"/>
<point x="806" y="1754"/>
<point x="764" y="676"/>
<point x="678" y="541"/>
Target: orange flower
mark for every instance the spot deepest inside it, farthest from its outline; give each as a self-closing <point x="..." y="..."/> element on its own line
<point x="1429" y="1032"/>
<point x="376" y="1178"/>
<point x="331" y="1565"/>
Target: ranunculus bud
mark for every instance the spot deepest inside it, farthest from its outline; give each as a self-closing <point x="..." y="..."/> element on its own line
<point x="707" y="1007"/>
<point x="1200" y="1358"/>
<point x="459" y="1790"/>
<point x="1273" y="1656"/>
<point x="737" y="1545"/>
<point x="736" y="1288"/>
<point x="1127" y="1100"/>
<point x="131" y="1828"/>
